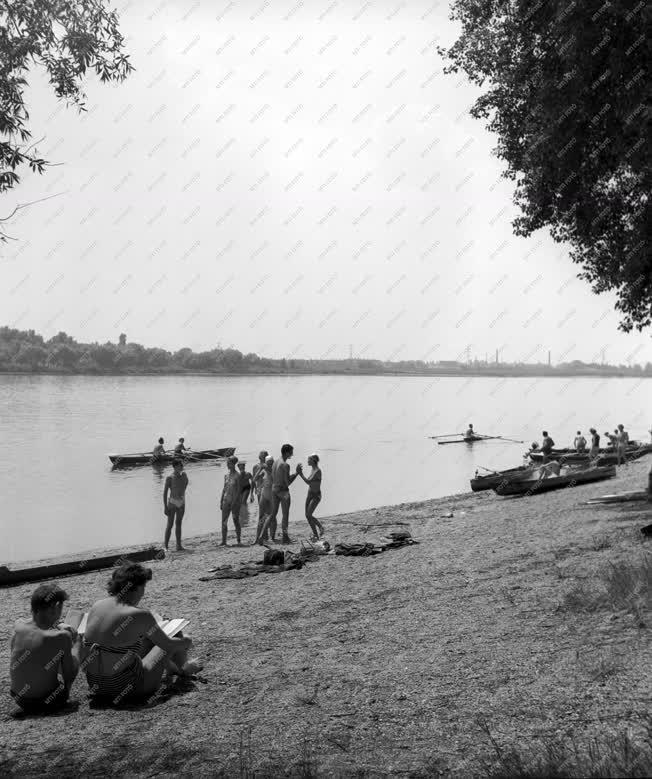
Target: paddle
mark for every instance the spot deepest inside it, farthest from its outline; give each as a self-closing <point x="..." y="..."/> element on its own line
<point x="445" y="435"/>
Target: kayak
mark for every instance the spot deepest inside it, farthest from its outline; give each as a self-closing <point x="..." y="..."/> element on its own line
<point x="571" y="479"/>
<point x="189" y="456"/>
<point x="471" y="440"/>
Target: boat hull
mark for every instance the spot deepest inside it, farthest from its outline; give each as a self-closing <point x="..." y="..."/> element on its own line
<point x="533" y="486"/>
<point x="605" y="457"/>
<point x="122" y="460"/>
<point x="490" y="481"/>
<point x="11" y="577"/>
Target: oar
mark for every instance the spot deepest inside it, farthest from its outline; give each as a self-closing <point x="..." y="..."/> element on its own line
<point x="445" y="435"/>
<point x="512" y="440"/>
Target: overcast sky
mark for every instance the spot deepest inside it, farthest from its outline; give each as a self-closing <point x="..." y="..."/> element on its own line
<point x="294" y="179"/>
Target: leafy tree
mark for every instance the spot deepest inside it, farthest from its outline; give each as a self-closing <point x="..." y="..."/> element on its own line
<point x="158" y="358"/>
<point x="32" y="355"/>
<point x="63" y="356"/>
<point x="105" y="357"/>
<point x="67" y="38"/>
<point x="566" y="95"/>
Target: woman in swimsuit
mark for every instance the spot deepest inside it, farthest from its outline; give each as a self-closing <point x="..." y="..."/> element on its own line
<point x="125" y="653"/>
<point x="313" y="497"/>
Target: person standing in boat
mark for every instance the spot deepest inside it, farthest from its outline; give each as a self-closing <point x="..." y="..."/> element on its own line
<point x="259" y="466"/>
<point x="580" y="442"/>
<point x="180" y="448"/>
<point x="230" y="500"/>
<point x="313" y="497"/>
<point x="281" y="480"/>
<point x="159" y="450"/>
<point x="595" y="444"/>
<point x="470" y="433"/>
<point x="546" y="446"/>
<point x="622" y="442"/>
<point x="174" y="502"/>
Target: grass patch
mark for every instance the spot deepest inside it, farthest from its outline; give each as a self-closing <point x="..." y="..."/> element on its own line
<point x="617" y="755"/>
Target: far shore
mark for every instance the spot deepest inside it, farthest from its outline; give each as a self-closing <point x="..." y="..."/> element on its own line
<point x="515" y="633"/>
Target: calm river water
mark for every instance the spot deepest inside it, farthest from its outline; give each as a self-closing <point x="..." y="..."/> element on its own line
<point x="61" y="496"/>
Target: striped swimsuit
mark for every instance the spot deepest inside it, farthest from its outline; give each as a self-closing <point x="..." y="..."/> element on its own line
<point x="117" y="679"/>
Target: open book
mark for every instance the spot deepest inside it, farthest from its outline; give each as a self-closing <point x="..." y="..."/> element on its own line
<point x="171" y="627"/>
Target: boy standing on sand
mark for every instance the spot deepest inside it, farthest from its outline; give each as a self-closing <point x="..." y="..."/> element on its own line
<point x="174" y="507"/>
<point x="259" y="466"/>
<point x="231" y="499"/>
<point x="281" y="481"/>
<point x="44" y="654"/>
<point x="622" y="444"/>
<point x="264" y="477"/>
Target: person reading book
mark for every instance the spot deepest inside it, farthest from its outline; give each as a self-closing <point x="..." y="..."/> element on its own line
<point x="44" y="653"/>
<point x="126" y="652"/>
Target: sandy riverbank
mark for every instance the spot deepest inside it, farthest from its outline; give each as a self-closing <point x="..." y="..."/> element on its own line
<point x="504" y="623"/>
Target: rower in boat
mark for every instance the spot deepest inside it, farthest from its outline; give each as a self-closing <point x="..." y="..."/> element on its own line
<point x="180" y="448"/>
<point x="546" y="446"/>
<point x="159" y="450"/>
<point x="470" y="434"/>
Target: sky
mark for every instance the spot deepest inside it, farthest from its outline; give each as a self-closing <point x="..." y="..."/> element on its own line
<point x="294" y="178"/>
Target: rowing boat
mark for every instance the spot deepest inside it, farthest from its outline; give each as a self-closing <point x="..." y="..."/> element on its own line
<point x="489" y="481"/>
<point x="144" y="458"/>
<point x="9" y="577"/>
<point x="605" y="457"/>
<point x="571" y="479"/>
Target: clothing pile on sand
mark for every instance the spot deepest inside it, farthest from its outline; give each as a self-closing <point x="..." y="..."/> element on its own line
<point x="278" y="561"/>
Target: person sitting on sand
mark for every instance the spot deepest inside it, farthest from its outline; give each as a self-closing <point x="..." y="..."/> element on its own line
<point x="125" y="652"/>
<point x="313" y="497"/>
<point x="159" y="450"/>
<point x="281" y="480"/>
<point x="262" y="456"/>
<point x="174" y="506"/>
<point x="580" y="442"/>
<point x="264" y="479"/>
<point x="231" y="499"/>
<point x="44" y="658"/>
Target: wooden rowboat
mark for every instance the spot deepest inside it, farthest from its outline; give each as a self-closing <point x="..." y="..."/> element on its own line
<point x="571" y="479"/>
<point x="489" y="481"/>
<point x="144" y="458"/>
<point x="14" y="576"/>
<point x="606" y="456"/>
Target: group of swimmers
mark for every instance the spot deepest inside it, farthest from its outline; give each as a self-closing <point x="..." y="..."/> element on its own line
<point x="269" y="482"/>
<point x="123" y="652"/>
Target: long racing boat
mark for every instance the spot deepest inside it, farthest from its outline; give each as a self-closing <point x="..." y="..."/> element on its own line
<point x="146" y="458"/>
<point x="571" y="478"/>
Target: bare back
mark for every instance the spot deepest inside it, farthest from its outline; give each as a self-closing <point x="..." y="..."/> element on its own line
<point x="36" y="658"/>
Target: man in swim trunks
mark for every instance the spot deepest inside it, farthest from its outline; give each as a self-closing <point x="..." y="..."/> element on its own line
<point x="159" y="450"/>
<point x="264" y="486"/>
<point x="231" y="499"/>
<point x="580" y="442"/>
<point x="622" y="442"/>
<point x="180" y="447"/>
<point x="595" y="443"/>
<point x="262" y="456"/>
<point x="281" y="480"/>
<point x="44" y="653"/>
<point x="546" y="446"/>
<point x="245" y="483"/>
<point x="174" y="502"/>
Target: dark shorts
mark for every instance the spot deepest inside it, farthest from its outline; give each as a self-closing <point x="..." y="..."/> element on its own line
<point x="56" y="700"/>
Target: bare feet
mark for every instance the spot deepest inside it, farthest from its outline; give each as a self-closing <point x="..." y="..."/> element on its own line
<point x="223" y="543"/>
<point x="191" y="667"/>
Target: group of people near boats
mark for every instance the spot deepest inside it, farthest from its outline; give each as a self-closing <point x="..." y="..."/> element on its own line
<point x="269" y="483"/>
<point x="618" y="441"/>
<point x="123" y="651"/>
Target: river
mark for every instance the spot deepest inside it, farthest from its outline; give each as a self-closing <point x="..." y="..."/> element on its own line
<point x="60" y="494"/>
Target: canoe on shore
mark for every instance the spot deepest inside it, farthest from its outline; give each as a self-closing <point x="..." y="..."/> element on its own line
<point x="489" y="481"/>
<point x="572" y="478"/>
<point x="144" y="458"/>
<point x="9" y="576"/>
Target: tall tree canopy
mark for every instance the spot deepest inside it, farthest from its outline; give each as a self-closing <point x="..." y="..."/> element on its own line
<point x="67" y="38"/>
<point x="568" y="97"/>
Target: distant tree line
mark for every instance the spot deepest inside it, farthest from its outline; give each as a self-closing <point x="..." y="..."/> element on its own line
<point x="26" y="351"/>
